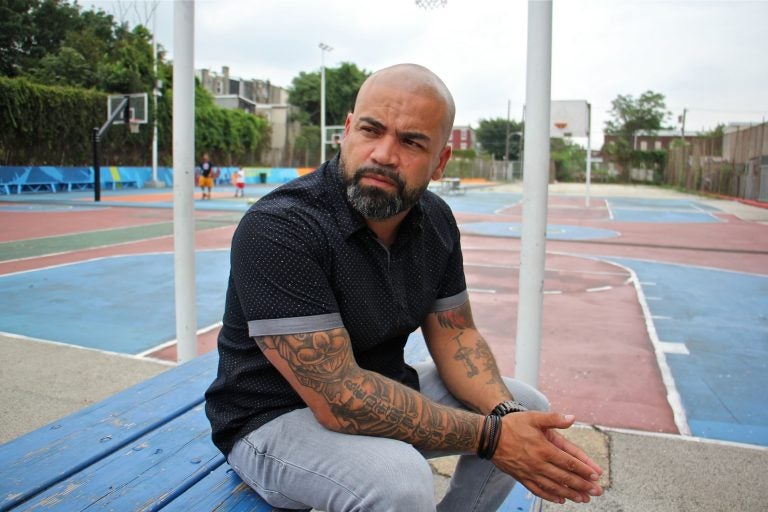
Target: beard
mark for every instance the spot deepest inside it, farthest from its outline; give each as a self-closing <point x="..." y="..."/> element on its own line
<point x="374" y="203"/>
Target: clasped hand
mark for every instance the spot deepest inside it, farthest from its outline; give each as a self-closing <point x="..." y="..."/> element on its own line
<point x="541" y="459"/>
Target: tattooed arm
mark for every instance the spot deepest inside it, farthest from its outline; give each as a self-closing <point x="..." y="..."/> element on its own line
<point x="463" y="359"/>
<point x="321" y="368"/>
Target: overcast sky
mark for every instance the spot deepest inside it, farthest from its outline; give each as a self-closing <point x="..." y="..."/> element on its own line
<point x="708" y="57"/>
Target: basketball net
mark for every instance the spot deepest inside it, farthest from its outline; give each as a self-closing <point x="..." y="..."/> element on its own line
<point x="134" y="127"/>
<point x="431" y="4"/>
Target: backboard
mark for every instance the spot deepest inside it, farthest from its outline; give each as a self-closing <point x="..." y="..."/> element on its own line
<point x="137" y="106"/>
<point x="569" y="118"/>
<point x="334" y="135"/>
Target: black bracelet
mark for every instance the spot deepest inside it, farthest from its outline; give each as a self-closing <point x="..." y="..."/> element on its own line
<point x="481" y="443"/>
<point x="508" y="407"/>
<point x="489" y="437"/>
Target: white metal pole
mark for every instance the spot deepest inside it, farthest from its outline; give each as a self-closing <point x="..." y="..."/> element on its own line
<point x="589" y="150"/>
<point x="183" y="178"/>
<point x="535" y="185"/>
<point x="323" y="48"/>
<point x="154" y="99"/>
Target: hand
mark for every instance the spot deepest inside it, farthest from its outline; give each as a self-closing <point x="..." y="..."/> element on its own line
<point x="546" y="463"/>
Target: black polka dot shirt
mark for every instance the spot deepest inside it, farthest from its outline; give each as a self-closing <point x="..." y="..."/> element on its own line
<point x="302" y="260"/>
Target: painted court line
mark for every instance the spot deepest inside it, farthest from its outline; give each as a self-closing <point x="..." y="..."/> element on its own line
<point x="203" y="330"/>
<point x="481" y="290"/>
<point x="674" y="348"/>
<point x="79" y="347"/>
<point x="673" y="395"/>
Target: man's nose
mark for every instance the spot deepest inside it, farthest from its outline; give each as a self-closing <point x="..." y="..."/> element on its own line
<point x="386" y="152"/>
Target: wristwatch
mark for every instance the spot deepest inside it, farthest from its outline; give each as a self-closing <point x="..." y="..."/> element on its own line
<point x="507" y="407"/>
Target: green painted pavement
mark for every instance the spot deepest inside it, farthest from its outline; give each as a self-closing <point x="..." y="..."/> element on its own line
<point x="80" y="241"/>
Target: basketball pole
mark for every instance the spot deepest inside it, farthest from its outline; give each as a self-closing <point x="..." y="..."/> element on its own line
<point x="323" y="48"/>
<point x="589" y="152"/>
<point x="184" y="179"/>
<point x="535" y="187"/>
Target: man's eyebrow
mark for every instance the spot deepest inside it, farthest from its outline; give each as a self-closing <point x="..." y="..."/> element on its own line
<point x="405" y="135"/>
<point x="373" y="122"/>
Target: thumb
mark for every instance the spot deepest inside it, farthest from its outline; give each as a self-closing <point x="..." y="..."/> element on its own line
<point x="547" y="420"/>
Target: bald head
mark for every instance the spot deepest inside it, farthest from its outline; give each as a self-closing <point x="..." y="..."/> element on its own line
<point x="415" y="79"/>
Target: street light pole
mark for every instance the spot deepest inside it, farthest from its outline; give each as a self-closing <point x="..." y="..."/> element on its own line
<point x="323" y="48"/>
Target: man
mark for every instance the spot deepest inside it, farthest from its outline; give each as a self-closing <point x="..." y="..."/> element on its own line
<point x="207" y="170"/>
<point x="313" y="404"/>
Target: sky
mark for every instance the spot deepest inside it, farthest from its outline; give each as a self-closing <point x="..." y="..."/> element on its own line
<point x="705" y="57"/>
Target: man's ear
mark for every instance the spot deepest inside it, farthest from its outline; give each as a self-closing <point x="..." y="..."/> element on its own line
<point x="347" y="124"/>
<point x="445" y="155"/>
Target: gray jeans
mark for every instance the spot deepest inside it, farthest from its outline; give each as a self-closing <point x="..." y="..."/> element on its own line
<point x="294" y="463"/>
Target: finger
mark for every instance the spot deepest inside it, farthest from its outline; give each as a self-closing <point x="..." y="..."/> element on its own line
<point x="570" y="448"/>
<point x="573" y="481"/>
<point x="541" y="493"/>
<point x="548" y="420"/>
<point x="559" y="490"/>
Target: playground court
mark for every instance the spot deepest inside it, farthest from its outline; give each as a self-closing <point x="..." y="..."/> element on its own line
<point x="654" y="301"/>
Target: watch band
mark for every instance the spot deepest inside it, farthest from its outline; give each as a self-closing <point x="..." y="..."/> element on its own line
<point x="508" y="407"/>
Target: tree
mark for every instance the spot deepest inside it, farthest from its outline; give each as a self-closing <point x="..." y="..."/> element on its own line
<point x="492" y="136"/>
<point x="15" y="28"/>
<point x="629" y="117"/>
<point x="341" y="86"/>
<point x="568" y="158"/>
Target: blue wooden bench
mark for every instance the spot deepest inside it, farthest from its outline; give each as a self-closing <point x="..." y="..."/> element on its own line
<point x="146" y="448"/>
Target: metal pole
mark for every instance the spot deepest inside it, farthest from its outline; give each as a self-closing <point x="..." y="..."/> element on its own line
<point x="506" y="143"/>
<point x="535" y="183"/>
<point x="323" y="48"/>
<point x="96" y="166"/>
<point x="183" y="178"/>
<point x="154" y="98"/>
<point x="589" y="150"/>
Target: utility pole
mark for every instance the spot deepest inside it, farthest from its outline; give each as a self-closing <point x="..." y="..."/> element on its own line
<point x="506" y="144"/>
<point x="685" y="150"/>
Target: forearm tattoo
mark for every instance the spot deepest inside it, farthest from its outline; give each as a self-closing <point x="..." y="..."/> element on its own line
<point x="472" y="352"/>
<point x="367" y="403"/>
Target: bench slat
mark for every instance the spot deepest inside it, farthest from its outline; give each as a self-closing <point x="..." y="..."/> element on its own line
<point x="222" y="491"/>
<point x="145" y="475"/>
<point x="41" y="458"/>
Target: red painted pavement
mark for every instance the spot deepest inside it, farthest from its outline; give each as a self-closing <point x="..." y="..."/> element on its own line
<point x="596" y="357"/>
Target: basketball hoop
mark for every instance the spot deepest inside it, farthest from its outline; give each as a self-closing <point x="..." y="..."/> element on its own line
<point x="133" y="126"/>
<point x="431" y="4"/>
<point x="560" y="125"/>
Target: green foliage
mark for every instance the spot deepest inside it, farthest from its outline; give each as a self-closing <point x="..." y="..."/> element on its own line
<point x="570" y="160"/>
<point x="63" y="58"/>
<point x="341" y="86"/>
<point x="464" y="153"/>
<point x="47" y="125"/>
<point x="231" y="137"/>
<point x="306" y="149"/>
<point x="492" y="136"/>
<point x="630" y="116"/>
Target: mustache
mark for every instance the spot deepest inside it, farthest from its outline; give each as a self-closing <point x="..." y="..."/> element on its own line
<point x="380" y="171"/>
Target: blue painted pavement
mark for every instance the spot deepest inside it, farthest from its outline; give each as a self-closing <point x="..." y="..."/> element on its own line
<point x="120" y="304"/>
<point x="721" y="318"/>
<point x="554" y="231"/>
<point x="624" y="209"/>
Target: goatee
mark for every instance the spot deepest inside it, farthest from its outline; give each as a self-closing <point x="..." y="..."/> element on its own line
<point x="374" y="203"/>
